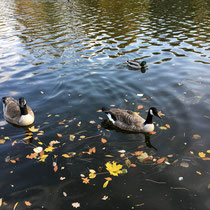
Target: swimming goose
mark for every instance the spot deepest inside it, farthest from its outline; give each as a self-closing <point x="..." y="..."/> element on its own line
<point x="17" y="112"/>
<point x="136" y="64"/>
<point x="130" y="121"/>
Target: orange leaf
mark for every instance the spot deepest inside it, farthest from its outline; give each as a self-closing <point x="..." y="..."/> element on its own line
<point x="59" y="135"/>
<point x="28" y="203"/>
<point x="32" y="155"/>
<point x="103" y="140"/>
<point x="140" y="107"/>
<point x="14" y="142"/>
<point x="170" y="156"/>
<point x="137" y="153"/>
<point x="41" y="153"/>
<point x="206" y="158"/>
<point x="55" y="168"/>
<point x="13" y="161"/>
<point x="61" y="123"/>
<point x="167" y="125"/>
<point x="153" y="132"/>
<point x="198" y="172"/>
<point x="161" y="160"/>
<point x="133" y="165"/>
<point x="108" y="179"/>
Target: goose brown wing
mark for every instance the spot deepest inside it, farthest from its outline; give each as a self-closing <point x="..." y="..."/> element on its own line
<point x="12" y="110"/>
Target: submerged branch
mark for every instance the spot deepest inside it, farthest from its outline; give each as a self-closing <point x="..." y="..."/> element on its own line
<point x="156" y="182"/>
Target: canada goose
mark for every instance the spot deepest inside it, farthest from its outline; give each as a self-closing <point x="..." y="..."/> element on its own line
<point x="17" y="112"/>
<point x="130" y="121"/>
<point x="136" y="64"/>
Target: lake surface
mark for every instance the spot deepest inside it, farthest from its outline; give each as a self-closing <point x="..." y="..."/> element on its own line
<point x="68" y="59"/>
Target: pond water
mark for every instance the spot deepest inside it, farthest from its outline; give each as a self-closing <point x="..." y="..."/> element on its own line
<point x="68" y="59"/>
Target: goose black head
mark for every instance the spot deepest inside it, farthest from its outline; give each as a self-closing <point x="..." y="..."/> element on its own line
<point x="154" y="112"/>
<point x="22" y="102"/>
<point x="3" y="100"/>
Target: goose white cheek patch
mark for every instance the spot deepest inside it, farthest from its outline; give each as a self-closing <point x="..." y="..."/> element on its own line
<point x="110" y="118"/>
<point x="151" y="112"/>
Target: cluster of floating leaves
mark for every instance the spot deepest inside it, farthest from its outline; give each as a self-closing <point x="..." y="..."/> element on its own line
<point x="109" y="171"/>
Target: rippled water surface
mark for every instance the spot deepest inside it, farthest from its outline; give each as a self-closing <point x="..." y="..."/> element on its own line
<point x="68" y="59"/>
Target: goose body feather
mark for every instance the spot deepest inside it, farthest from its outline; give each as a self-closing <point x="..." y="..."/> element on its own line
<point x="130" y="121"/>
<point x="12" y="112"/>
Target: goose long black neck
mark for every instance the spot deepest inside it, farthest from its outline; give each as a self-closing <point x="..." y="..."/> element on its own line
<point x="23" y="110"/>
<point x="149" y="119"/>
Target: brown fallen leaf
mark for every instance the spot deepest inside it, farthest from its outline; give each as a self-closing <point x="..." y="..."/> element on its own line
<point x="196" y="136"/>
<point x="27" y="203"/>
<point x="161" y="160"/>
<point x="137" y="153"/>
<point x="167" y="125"/>
<point x="32" y="156"/>
<point x="55" y="168"/>
<point x="206" y="158"/>
<point x="140" y="107"/>
<point x="59" y="135"/>
<point x="103" y="140"/>
<point x="153" y="132"/>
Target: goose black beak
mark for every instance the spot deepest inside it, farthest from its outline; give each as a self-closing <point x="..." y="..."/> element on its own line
<point x="159" y="116"/>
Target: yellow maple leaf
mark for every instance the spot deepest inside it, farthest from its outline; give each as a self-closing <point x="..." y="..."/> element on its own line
<point x="105" y="184"/>
<point x="49" y="149"/>
<point x="42" y="158"/>
<point x="202" y="154"/>
<point x="113" y="168"/>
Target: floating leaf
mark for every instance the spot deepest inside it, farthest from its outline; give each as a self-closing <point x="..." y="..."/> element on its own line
<point x="27" y="203"/>
<point x="114" y="168"/>
<point x="180" y="84"/>
<point x="184" y="164"/>
<point x="208" y="151"/>
<point x="15" y="206"/>
<point x="64" y="194"/>
<point x="6" y="137"/>
<point x="13" y="161"/>
<point x="140" y="107"/>
<point x="33" y="129"/>
<point x="133" y="165"/>
<point x="27" y="137"/>
<point x="59" y="135"/>
<point x="206" y="158"/>
<point x="79" y="124"/>
<point x="1" y="200"/>
<point x="92" y="122"/>
<point x="137" y="153"/>
<point x="92" y="150"/>
<point x="38" y="149"/>
<point x="161" y="114"/>
<point x="198" y="172"/>
<point x="202" y="154"/>
<point x="42" y="92"/>
<point x="86" y="180"/>
<point x="42" y="158"/>
<point x="92" y="175"/>
<point x="55" y="168"/>
<point x="105" y="184"/>
<point x="196" y="136"/>
<point x="92" y="171"/>
<point x="76" y="205"/>
<point x="143" y="156"/>
<point x="161" y="160"/>
<point x="82" y="137"/>
<point x="109" y="156"/>
<point x="128" y="163"/>
<point x="153" y="132"/>
<point x="32" y="156"/>
<point x="108" y="178"/>
<point x="49" y="149"/>
<point x="2" y="141"/>
<point x="103" y="140"/>
<point x="121" y="151"/>
<point x="163" y="128"/>
<point x="53" y="142"/>
<point x="167" y="125"/>
<point x="105" y="197"/>
<point x="71" y="137"/>
<point x="66" y="156"/>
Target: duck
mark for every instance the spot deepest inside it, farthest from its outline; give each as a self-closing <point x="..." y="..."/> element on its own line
<point x="136" y="64"/>
<point x="17" y="112"/>
<point x="131" y="121"/>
